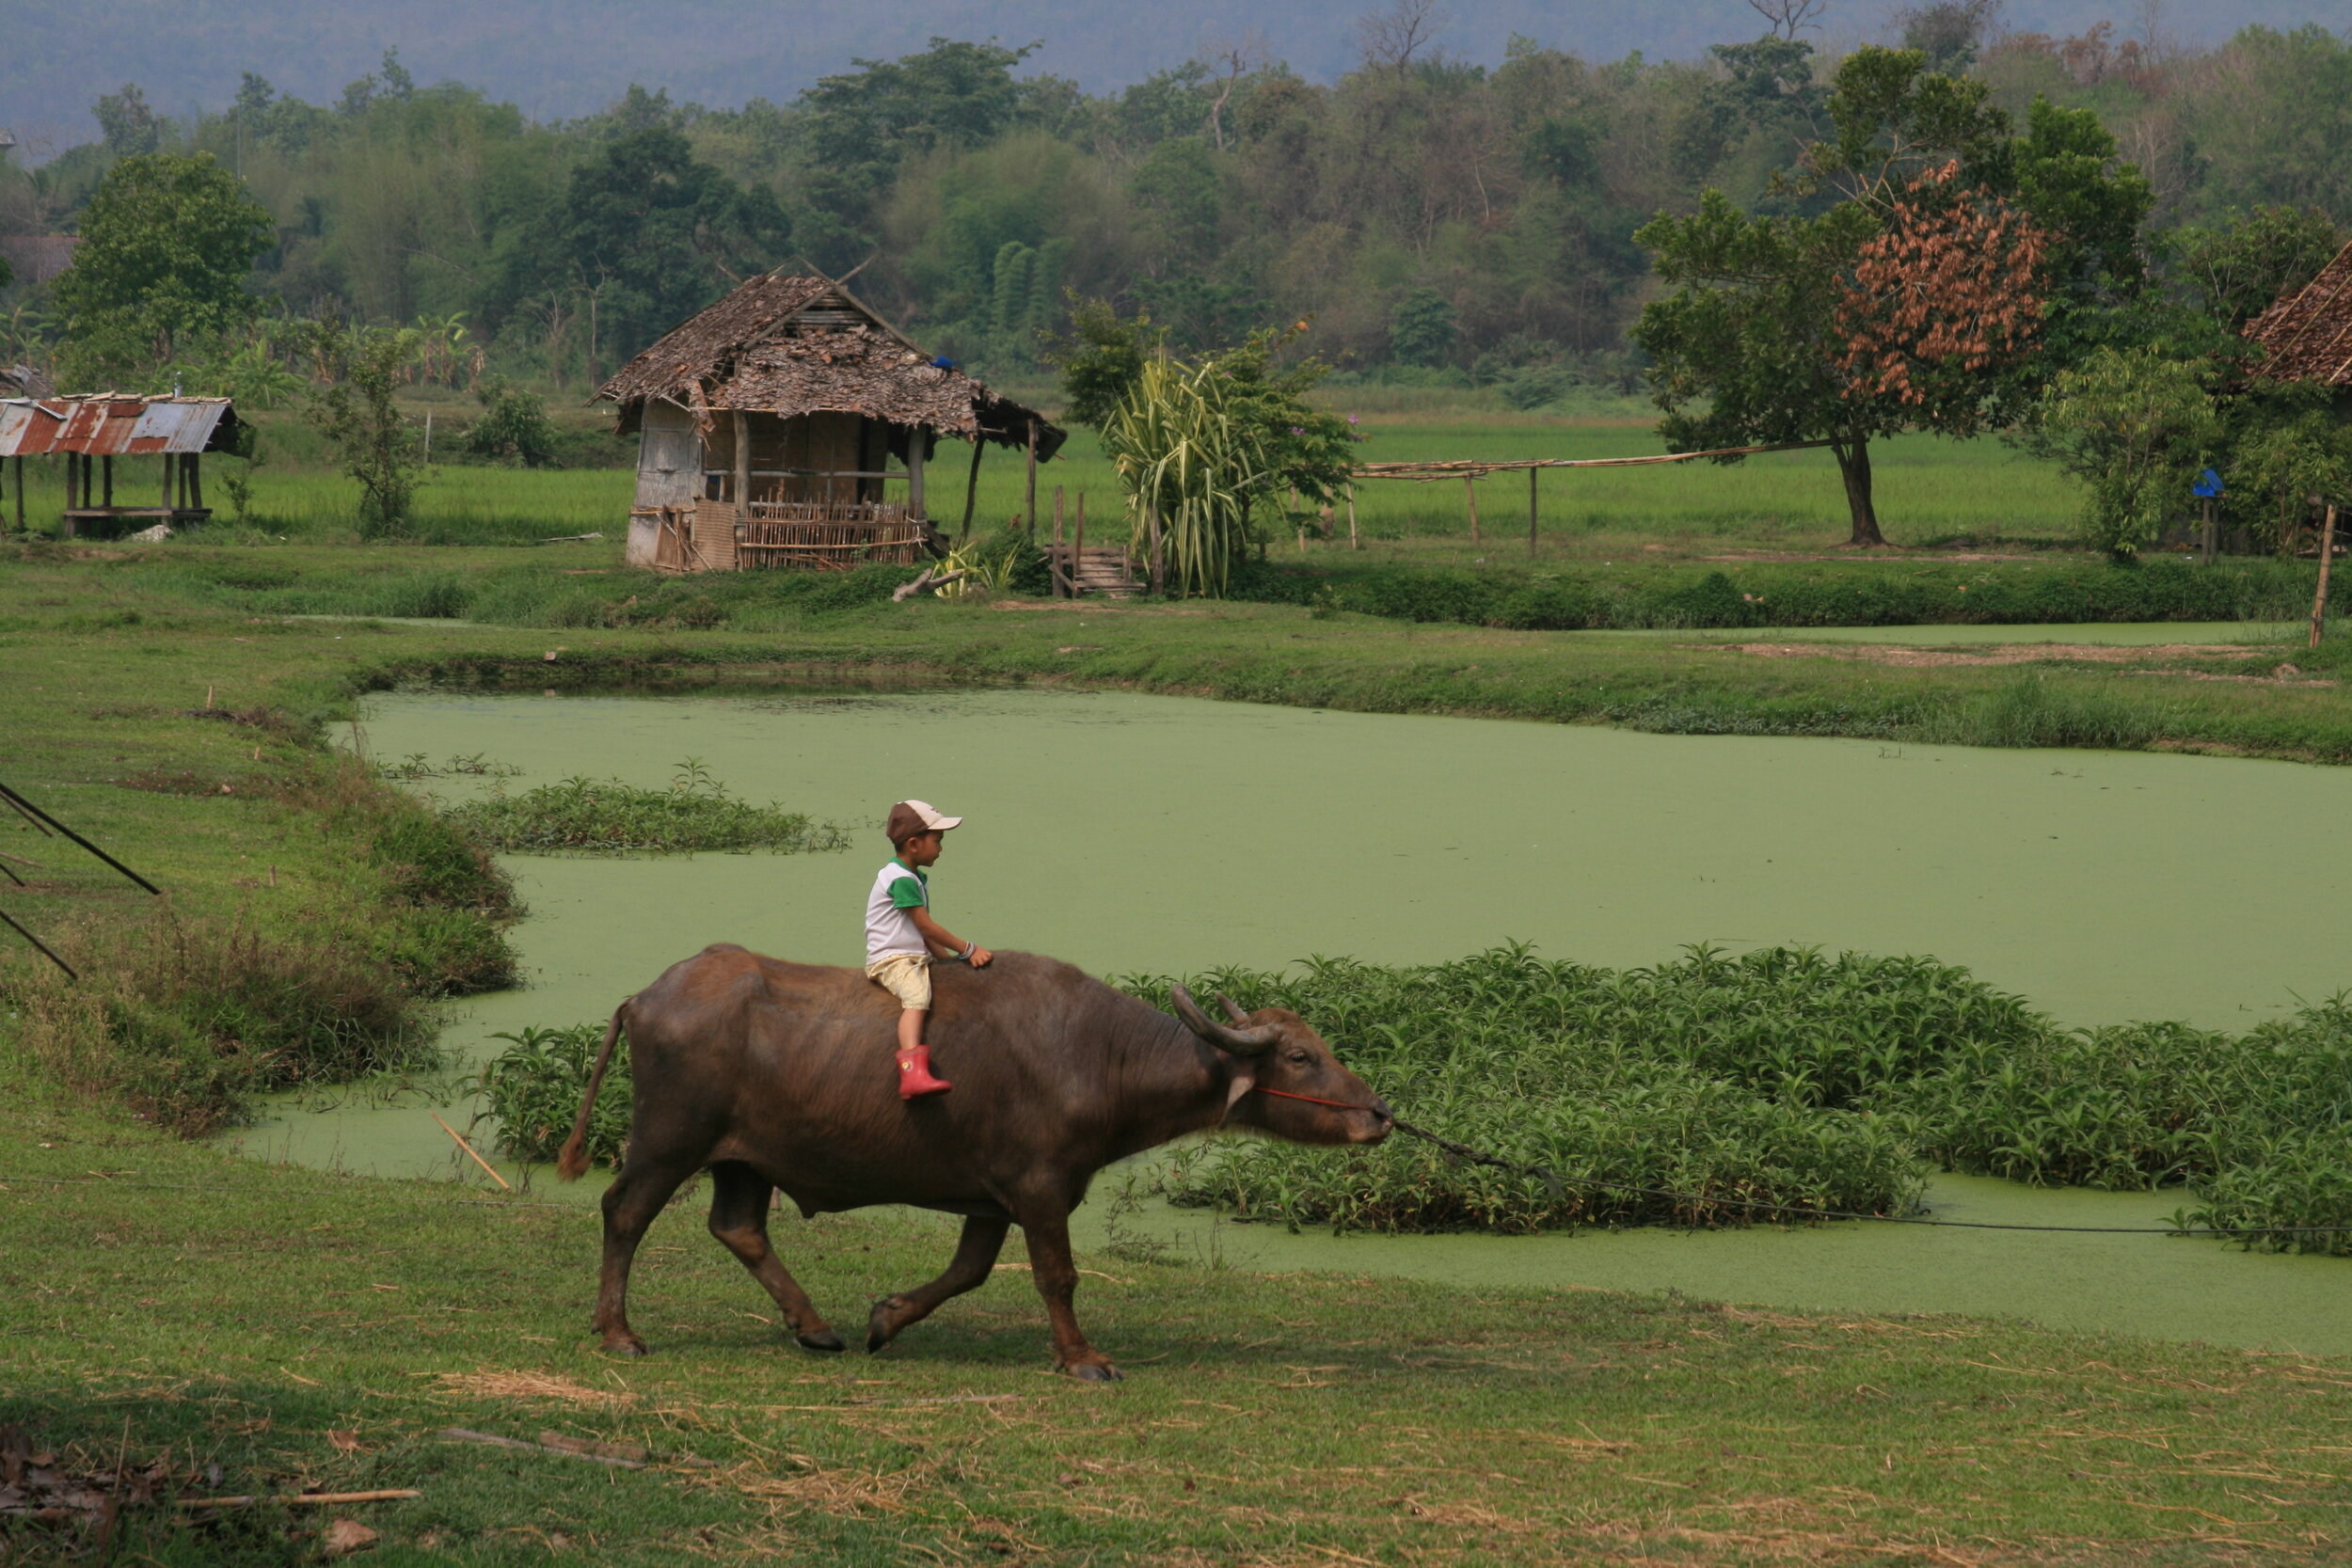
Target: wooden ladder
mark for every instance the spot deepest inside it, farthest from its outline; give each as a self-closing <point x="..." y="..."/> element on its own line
<point x="1104" y="572"/>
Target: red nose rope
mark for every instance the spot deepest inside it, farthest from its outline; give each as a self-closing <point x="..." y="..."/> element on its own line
<point x="1285" y="1094"/>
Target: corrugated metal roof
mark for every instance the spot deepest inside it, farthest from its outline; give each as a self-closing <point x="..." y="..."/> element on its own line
<point x="109" y="424"/>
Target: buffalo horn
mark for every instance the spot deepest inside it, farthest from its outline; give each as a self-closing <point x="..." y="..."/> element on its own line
<point x="1242" y="1043"/>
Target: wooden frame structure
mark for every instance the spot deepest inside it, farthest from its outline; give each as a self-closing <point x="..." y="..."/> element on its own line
<point x="90" y="431"/>
<point x="790" y="426"/>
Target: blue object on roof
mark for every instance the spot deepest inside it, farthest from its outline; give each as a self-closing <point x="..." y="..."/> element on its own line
<point x="2208" y="484"/>
<point x="942" y="362"/>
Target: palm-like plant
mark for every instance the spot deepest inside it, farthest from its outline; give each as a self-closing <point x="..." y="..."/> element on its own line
<point x="1186" y="455"/>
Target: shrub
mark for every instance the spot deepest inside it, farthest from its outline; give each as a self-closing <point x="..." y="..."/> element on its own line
<point x="533" y="1091"/>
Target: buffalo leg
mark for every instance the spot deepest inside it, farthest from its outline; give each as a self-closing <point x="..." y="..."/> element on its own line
<point x="975" y="1260"/>
<point x="630" y="1204"/>
<point x="738" y="1217"/>
<point x="1056" y="1276"/>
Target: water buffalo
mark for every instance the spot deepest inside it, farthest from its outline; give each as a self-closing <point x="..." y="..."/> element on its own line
<point x="779" y="1075"/>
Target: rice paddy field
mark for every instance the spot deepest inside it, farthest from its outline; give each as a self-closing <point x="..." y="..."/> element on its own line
<point x="1931" y="493"/>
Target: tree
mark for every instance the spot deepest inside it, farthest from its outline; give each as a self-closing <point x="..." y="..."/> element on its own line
<point x="1948" y="32"/>
<point x="354" y="410"/>
<point x="2134" y="427"/>
<point x="2238" y="268"/>
<point x="1420" y="328"/>
<point x="653" y="235"/>
<point x="166" y="244"/>
<point x="1100" y="357"/>
<point x="126" y="124"/>
<point x="1389" y="39"/>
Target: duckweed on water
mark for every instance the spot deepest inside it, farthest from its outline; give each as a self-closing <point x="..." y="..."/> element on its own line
<point x="582" y="815"/>
<point x="1780" y="1077"/>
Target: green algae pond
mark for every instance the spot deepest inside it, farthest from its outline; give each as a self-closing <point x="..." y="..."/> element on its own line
<point x="1131" y="833"/>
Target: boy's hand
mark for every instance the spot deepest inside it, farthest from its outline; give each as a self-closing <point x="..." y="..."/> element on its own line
<point x="980" y="956"/>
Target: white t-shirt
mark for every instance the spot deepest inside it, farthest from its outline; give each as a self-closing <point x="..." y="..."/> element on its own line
<point x="890" y="931"/>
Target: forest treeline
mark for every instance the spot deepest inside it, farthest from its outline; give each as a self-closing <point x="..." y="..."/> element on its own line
<point x="1440" y="219"/>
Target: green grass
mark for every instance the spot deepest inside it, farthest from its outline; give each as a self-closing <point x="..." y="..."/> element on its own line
<point x="297" y="1328"/>
<point x="609" y="818"/>
<point x="1931" y="493"/>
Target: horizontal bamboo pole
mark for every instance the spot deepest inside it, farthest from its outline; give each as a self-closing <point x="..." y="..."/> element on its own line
<point x="1478" y="468"/>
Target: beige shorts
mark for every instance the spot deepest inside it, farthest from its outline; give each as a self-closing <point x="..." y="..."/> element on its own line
<point x="906" y="976"/>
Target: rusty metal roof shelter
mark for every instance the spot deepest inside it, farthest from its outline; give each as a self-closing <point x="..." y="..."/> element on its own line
<point x="90" y="429"/>
<point x="2308" y="333"/>
<point x="768" y="425"/>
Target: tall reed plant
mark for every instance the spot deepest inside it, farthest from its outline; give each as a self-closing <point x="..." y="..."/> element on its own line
<point x="1187" y="453"/>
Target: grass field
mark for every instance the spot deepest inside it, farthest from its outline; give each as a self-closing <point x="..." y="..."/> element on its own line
<point x="301" y="1330"/>
<point x="1931" y="493"/>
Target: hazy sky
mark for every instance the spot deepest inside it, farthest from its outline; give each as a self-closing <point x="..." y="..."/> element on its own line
<point x="558" y="58"/>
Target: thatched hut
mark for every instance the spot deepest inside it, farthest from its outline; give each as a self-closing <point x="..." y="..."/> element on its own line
<point x="2308" y="334"/>
<point x="789" y="425"/>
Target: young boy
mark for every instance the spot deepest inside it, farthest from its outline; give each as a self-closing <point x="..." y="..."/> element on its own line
<point x="903" y="939"/>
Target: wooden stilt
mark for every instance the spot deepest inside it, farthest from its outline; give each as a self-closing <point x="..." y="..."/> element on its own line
<point x="108" y="476"/>
<point x="20" y="494"/>
<point x="1532" y="475"/>
<point x="1470" y="486"/>
<point x="1353" y="542"/>
<point x="1054" y="557"/>
<point x="1078" y="545"/>
<point x="2327" y="557"/>
<point x="171" y="476"/>
<point x="2209" y="546"/>
<point x="196" y="481"/>
<point x="972" y="483"/>
<point x="1029" y="515"/>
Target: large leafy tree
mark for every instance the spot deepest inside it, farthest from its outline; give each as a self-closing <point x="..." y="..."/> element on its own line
<point x="653" y="235"/>
<point x="1960" y="267"/>
<point x="166" y="244"/>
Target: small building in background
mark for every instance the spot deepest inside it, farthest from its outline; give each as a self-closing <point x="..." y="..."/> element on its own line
<point x="790" y="425"/>
<point x="90" y="431"/>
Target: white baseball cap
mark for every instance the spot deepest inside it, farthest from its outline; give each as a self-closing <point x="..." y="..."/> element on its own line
<point x="909" y="818"/>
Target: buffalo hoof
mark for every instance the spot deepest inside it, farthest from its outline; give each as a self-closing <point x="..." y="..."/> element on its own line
<point x="1094" y="1371"/>
<point x="825" y="1339"/>
<point x="632" y="1347"/>
<point x="880" y="1330"/>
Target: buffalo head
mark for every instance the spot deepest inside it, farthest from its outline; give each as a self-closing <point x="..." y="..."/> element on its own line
<point x="1284" y="1079"/>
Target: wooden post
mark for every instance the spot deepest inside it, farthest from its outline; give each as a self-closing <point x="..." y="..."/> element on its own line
<point x="972" y="481"/>
<point x="1057" y="506"/>
<point x="1531" y="510"/>
<point x="19" y="492"/>
<point x="108" y="471"/>
<point x="916" y="435"/>
<point x="1053" y="556"/>
<point x="1470" y="485"/>
<point x="743" y="497"/>
<point x="2210" y="546"/>
<point x="1353" y="542"/>
<point x="1153" y="566"/>
<point x="196" y="481"/>
<point x="72" y="480"/>
<point x="2327" y="557"/>
<point x="1078" y="545"/>
<point x="1030" y="514"/>
<point x="172" y="472"/>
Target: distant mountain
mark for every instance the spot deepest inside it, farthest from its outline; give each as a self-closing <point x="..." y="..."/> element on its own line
<point x="563" y="57"/>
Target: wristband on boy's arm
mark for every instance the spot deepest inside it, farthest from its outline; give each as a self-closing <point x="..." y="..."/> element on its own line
<point x="969" y="948"/>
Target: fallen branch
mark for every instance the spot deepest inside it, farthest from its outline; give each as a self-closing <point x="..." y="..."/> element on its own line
<point x="933" y="577"/>
<point x="462" y="1435"/>
<point x="468" y="1149"/>
<point x="571" y="538"/>
<point x="389" y="1494"/>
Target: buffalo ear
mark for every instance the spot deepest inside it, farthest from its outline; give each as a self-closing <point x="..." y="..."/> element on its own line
<point x="1242" y="1084"/>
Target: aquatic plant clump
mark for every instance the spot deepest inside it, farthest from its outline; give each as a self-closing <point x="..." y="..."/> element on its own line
<point x="532" y="1090"/>
<point x="1782" y="1076"/>
<point x="582" y="815"/>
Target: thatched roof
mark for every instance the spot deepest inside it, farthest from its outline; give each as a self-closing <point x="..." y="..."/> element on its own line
<point x="2308" y="334"/>
<point x="805" y="345"/>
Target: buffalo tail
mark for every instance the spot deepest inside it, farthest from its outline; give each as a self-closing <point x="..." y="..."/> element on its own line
<point x="572" y="1163"/>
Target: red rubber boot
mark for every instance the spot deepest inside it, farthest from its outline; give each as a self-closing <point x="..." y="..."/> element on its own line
<point x="915" y="1074"/>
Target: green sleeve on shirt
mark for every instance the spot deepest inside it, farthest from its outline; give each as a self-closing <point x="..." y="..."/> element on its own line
<point x="908" y="893"/>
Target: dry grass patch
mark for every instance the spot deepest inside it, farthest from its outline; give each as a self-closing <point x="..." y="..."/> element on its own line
<point x="532" y="1385"/>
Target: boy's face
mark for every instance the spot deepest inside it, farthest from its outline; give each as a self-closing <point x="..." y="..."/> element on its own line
<point x="922" y="849"/>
